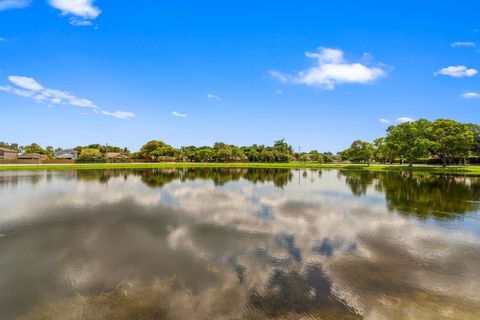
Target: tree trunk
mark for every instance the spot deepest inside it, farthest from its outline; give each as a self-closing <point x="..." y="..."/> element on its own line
<point x="444" y="161"/>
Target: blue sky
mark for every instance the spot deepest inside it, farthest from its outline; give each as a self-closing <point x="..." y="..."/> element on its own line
<point x="319" y="74"/>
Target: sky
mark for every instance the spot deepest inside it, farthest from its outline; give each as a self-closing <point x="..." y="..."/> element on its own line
<point x="319" y="74"/>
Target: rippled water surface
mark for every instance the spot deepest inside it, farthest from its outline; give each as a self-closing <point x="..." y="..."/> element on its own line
<point x="238" y="244"/>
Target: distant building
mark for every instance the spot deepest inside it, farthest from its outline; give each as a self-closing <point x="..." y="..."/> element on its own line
<point x="8" y="154"/>
<point x="69" y="154"/>
<point x="32" y="156"/>
<point x="116" y="157"/>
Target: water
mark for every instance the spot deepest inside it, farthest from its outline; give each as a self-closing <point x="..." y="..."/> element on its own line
<point x="238" y="244"/>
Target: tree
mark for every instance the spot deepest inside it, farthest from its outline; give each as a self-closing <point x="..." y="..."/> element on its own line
<point x="34" y="148"/>
<point x="384" y="151"/>
<point x="156" y="149"/>
<point x="237" y="153"/>
<point x="223" y="153"/>
<point x="359" y="151"/>
<point x="475" y="129"/>
<point x="283" y="151"/>
<point x="327" y="157"/>
<point x="12" y="146"/>
<point x="267" y="156"/>
<point x="205" y="154"/>
<point x="314" y="155"/>
<point x="409" y="140"/>
<point x="251" y="153"/>
<point x="451" y="140"/>
<point x="50" y="152"/>
<point x="89" y="154"/>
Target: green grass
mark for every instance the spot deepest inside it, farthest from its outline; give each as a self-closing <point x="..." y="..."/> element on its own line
<point x="464" y="170"/>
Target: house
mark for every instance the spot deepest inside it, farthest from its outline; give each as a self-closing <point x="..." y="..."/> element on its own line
<point x="69" y="154"/>
<point x="116" y="157"/>
<point x="8" y="154"/>
<point x="32" y="156"/>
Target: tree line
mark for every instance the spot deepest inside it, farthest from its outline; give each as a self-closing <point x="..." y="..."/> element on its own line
<point x="444" y="141"/>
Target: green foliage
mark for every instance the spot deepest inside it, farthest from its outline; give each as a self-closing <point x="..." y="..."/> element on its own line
<point x="420" y="194"/>
<point x="157" y="150"/>
<point x="327" y="157"/>
<point x="419" y="141"/>
<point x="451" y="139"/>
<point x="409" y="140"/>
<point x="102" y="148"/>
<point x="383" y="151"/>
<point x="50" y="152"/>
<point x="446" y="140"/>
<point x="34" y="148"/>
<point x="89" y="154"/>
<point x="222" y="152"/>
<point x="359" y="151"/>
<point x="12" y="146"/>
<point x="475" y="129"/>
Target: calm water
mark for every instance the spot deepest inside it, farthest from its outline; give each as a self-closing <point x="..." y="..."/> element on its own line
<point x="238" y="244"/>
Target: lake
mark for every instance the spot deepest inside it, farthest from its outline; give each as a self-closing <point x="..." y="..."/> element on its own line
<point x="238" y="244"/>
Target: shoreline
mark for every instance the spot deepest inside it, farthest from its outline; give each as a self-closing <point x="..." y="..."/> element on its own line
<point x="434" y="169"/>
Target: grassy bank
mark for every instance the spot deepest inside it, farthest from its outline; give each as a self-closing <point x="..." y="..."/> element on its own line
<point x="469" y="170"/>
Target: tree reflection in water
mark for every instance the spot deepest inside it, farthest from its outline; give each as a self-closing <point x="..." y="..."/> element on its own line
<point x="236" y="244"/>
<point x="419" y="194"/>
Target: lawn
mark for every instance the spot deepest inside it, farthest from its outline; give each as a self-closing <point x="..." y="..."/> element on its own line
<point x="467" y="170"/>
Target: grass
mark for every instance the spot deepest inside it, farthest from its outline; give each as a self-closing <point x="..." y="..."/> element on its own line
<point x="464" y="170"/>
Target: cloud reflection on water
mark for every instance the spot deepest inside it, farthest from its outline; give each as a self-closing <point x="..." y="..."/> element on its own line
<point x="242" y="249"/>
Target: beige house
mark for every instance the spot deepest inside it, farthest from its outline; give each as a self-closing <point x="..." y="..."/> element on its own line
<point x="116" y="157"/>
<point x="8" y="154"/>
<point x="32" y="156"/>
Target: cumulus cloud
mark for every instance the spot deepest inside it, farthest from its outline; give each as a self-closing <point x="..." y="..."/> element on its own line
<point x="178" y="114"/>
<point x="331" y="69"/>
<point x="119" y="114"/>
<point x="405" y="119"/>
<point x="82" y="10"/>
<point x="470" y="95"/>
<point x="13" y="4"/>
<point x="28" y="87"/>
<point x="213" y="97"/>
<point x="457" y="71"/>
<point x="463" y="44"/>
<point x="384" y="121"/>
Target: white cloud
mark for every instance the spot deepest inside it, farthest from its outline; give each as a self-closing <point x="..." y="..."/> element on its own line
<point x="279" y="75"/>
<point x="80" y="8"/>
<point x="80" y="22"/>
<point x="331" y="69"/>
<point x="178" y="114"/>
<point x="457" y="71"/>
<point x="279" y="92"/>
<point x="27" y="87"/>
<point x="211" y="96"/>
<point x="3" y="39"/>
<point x="384" y="121"/>
<point x="25" y="83"/>
<point x="463" y="44"/>
<point x="405" y="119"/>
<point x="13" y="4"/>
<point x="119" y="114"/>
<point x="470" y="95"/>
